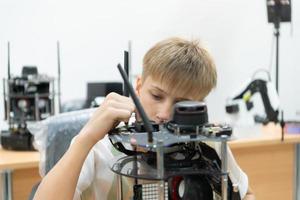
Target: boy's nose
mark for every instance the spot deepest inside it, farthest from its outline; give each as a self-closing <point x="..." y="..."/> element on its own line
<point x="164" y="114"/>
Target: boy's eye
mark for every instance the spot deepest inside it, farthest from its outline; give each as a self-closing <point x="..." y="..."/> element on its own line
<point x="156" y="97"/>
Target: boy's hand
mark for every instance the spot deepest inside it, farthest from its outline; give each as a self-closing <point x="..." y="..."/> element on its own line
<point x="115" y="108"/>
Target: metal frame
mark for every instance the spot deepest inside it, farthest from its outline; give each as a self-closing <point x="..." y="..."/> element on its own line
<point x="159" y="146"/>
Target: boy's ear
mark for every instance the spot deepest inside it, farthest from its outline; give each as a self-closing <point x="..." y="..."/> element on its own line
<point x="138" y="85"/>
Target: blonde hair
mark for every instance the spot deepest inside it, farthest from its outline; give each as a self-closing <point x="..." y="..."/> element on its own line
<point x="182" y="66"/>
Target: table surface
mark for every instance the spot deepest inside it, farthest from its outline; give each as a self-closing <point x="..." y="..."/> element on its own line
<point x="18" y="159"/>
<point x="265" y="135"/>
<point x="269" y="135"/>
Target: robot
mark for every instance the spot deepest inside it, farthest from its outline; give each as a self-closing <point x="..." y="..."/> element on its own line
<point x="28" y="97"/>
<point x="173" y="155"/>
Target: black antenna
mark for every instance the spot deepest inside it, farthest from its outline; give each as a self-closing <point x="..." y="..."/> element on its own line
<point x="129" y="60"/>
<point x="8" y="61"/>
<point x="58" y="78"/>
<point x="138" y="105"/>
<point x="126" y="68"/>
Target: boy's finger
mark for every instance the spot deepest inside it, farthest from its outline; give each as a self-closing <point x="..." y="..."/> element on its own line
<point x="121" y="105"/>
<point x="122" y="114"/>
<point x="120" y="98"/>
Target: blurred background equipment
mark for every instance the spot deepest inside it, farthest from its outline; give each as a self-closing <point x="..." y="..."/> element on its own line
<point x="97" y="91"/>
<point x="244" y="99"/>
<point x="239" y="106"/>
<point x="27" y="98"/>
<point x="278" y="11"/>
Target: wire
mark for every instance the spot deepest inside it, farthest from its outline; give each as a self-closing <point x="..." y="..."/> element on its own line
<point x="261" y="70"/>
<point x="271" y="54"/>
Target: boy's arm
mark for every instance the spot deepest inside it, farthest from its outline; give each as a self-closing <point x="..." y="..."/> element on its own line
<point x="87" y="173"/>
<point x="61" y="181"/>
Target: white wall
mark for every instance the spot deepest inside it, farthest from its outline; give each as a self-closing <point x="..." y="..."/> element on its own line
<point x="93" y="35"/>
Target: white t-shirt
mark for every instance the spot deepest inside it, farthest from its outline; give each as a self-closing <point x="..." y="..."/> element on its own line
<point x="97" y="178"/>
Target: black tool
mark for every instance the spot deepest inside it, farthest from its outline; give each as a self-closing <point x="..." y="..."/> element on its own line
<point x="138" y="105"/>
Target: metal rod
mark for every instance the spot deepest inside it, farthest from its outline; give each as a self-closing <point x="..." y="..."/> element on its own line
<point x="52" y="98"/>
<point x="8" y="78"/>
<point x="126" y="68"/>
<point x="160" y="167"/>
<point x="8" y="60"/>
<point x="129" y="60"/>
<point x="3" y="189"/>
<point x="224" y="167"/>
<point x="8" y="102"/>
<point x="36" y="107"/>
<point x="277" y="59"/>
<point x="119" y="187"/>
<point x="58" y="78"/>
<point x="7" y="185"/>
<point x="4" y="100"/>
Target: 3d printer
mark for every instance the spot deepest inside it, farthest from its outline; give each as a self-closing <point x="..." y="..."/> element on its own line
<point x="27" y="98"/>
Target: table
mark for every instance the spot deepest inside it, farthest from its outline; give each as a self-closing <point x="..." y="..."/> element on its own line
<point x="19" y="173"/>
<point x="268" y="161"/>
<point x="271" y="164"/>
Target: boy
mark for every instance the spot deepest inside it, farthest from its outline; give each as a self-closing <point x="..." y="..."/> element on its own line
<point x="173" y="70"/>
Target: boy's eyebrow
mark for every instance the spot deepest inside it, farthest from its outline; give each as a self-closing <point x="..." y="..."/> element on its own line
<point x="157" y="88"/>
<point x="177" y="99"/>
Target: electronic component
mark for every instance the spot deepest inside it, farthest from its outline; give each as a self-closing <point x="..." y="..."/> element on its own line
<point x="27" y="98"/>
<point x="174" y="153"/>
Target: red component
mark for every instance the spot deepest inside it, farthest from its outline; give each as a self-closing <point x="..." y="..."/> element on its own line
<point x="175" y="182"/>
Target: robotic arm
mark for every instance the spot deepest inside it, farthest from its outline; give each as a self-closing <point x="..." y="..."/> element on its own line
<point x="269" y="98"/>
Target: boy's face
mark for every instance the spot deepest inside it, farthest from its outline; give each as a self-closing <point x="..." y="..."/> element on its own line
<point x="156" y="100"/>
